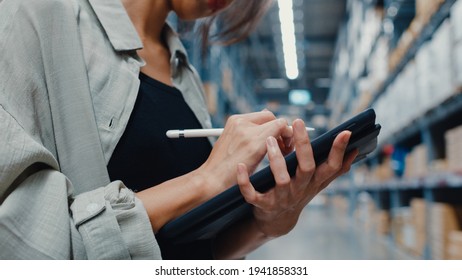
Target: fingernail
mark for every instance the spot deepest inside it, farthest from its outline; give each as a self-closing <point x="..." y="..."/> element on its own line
<point x="272" y="144"/>
<point x="346" y="139"/>
<point x="298" y="125"/>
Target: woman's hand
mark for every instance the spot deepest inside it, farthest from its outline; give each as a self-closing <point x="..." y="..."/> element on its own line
<point x="243" y="141"/>
<point x="276" y="212"/>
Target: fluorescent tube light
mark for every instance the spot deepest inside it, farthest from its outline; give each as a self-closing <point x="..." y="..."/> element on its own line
<point x="289" y="46"/>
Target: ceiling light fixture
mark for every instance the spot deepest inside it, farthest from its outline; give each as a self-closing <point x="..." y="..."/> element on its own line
<point x="289" y="46"/>
<point x="301" y="97"/>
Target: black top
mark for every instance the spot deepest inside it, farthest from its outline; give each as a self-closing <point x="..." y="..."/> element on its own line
<point x="145" y="157"/>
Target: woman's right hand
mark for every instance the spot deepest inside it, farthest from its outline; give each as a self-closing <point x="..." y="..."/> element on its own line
<point x="244" y="141"/>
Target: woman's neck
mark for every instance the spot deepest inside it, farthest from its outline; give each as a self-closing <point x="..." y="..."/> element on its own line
<point x="148" y="17"/>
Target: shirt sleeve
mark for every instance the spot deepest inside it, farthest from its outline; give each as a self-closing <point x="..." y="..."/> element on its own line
<point x="40" y="216"/>
<point x="39" y="220"/>
<point x="113" y="224"/>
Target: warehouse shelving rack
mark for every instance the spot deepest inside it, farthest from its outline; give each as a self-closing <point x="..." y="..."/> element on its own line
<point x="427" y="129"/>
<point x="425" y="35"/>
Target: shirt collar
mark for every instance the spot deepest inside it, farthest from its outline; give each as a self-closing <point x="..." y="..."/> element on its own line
<point x="118" y="26"/>
<point x="179" y="56"/>
<point x="174" y="43"/>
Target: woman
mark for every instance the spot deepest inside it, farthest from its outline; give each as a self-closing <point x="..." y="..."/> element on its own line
<point x="79" y="80"/>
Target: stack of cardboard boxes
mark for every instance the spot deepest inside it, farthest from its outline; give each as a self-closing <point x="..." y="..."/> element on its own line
<point x="444" y="219"/>
<point x="418" y="223"/>
<point x="365" y="213"/>
<point x="401" y="228"/>
<point x="417" y="162"/>
<point x="382" y="222"/>
<point x="433" y="75"/>
<point x="441" y="47"/>
<point x="454" y="250"/>
<point x="431" y="78"/>
<point x="409" y="228"/>
<point x="413" y="233"/>
<point x="383" y="172"/>
<point x="361" y="48"/>
<point x="453" y="139"/>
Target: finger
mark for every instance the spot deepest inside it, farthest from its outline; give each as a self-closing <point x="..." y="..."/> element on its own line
<point x="277" y="163"/>
<point x="337" y="153"/>
<point x="245" y="186"/>
<point x="280" y="195"/>
<point x="259" y="117"/>
<point x="334" y="161"/>
<point x="304" y="152"/>
<point x="347" y="162"/>
<point x="281" y="176"/>
<point x="251" y="196"/>
<point x="286" y="145"/>
<point x="277" y="128"/>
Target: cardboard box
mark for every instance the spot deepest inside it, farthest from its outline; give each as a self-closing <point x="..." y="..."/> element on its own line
<point x="453" y="139"/>
<point x="444" y="218"/>
<point x="418" y="212"/>
<point x="424" y="80"/>
<point x="418" y="223"/>
<point x="454" y="250"/>
<point x="382" y="219"/>
<point x="384" y="171"/>
<point x="416" y="162"/>
<point x="441" y="45"/>
<point x="400" y="227"/>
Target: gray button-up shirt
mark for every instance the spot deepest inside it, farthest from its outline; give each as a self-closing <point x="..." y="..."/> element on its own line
<point x="57" y="57"/>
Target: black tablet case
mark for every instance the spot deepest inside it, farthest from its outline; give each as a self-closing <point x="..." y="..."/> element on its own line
<point x="206" y="220"/>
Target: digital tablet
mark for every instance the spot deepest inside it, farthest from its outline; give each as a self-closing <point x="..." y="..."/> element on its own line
<point x="218" y="213"/>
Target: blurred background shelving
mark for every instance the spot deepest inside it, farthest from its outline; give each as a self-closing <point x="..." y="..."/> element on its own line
<point x="413" y="181"/>
<point x="401" y="57"/>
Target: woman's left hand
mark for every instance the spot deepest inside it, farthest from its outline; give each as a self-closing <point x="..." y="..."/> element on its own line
<point x="276" y="212"/>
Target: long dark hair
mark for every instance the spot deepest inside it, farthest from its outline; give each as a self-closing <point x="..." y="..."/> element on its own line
<point x="234" y="23"/>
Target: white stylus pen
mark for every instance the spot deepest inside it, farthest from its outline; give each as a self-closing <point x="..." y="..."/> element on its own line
<point x="193" y="133"/>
